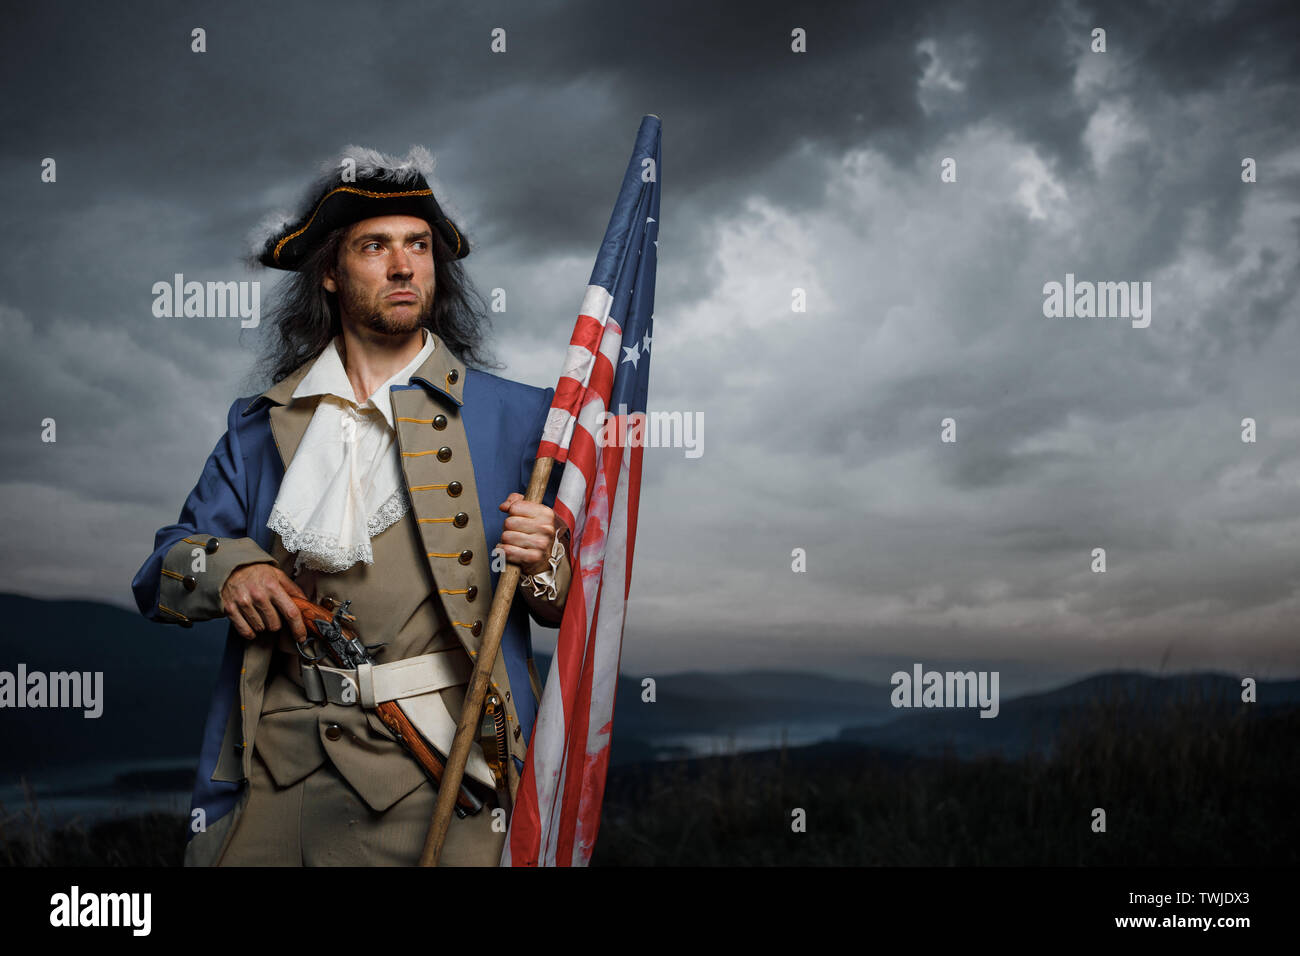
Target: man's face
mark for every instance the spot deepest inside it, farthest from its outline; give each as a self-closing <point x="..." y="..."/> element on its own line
<point x="384" y="278"/>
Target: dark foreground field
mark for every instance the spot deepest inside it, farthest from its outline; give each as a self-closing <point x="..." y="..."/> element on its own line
<point x="1197" y="784"/>
<point x="1189" y="788"/>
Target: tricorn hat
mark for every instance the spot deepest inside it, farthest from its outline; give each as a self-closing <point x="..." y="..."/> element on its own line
<point x="360" y="184"/>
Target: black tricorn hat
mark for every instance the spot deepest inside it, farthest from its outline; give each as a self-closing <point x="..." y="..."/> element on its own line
<point x="360" y="184"/>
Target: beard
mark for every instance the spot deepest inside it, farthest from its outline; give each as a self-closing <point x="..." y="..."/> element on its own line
<point x="386" y="318"/>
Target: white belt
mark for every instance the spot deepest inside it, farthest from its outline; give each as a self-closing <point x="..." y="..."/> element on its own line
<point x="372" y="684"/>
<point x="414" y="684"/>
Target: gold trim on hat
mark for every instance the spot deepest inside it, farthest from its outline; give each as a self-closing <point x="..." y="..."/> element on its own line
<point x="455" y="252"/>
<point x="360" y="192"/>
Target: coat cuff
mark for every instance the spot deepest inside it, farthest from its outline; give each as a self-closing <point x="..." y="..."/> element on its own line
<point x="195" y="569"/>
<point x="551" y="585"/>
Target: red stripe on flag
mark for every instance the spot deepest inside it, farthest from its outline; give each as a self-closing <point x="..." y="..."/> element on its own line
<point x="568" y="395"/>
<point x="576" y="804"/>
<point x="582" y="455"/>
<point x="526" y="830"/>
<point x="569" y="389"/>
<point x="587" y="332"/>
<point x="602" y="380"/>
<point x="525" y="821"/>
<point x="575" y="759"/>
<point x="569" y="653"/>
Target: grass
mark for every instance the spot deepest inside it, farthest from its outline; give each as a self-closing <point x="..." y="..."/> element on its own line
<point x="152" y="839"/>
<point x="1199" y="782"/>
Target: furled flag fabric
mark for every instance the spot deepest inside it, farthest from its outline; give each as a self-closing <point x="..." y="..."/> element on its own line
<point x="596" y="428"/>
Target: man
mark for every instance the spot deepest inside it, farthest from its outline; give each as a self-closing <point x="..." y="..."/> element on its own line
<point x="374" y="470"/>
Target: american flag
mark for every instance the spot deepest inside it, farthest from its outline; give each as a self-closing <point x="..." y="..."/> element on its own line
<point x="606" y="369"/>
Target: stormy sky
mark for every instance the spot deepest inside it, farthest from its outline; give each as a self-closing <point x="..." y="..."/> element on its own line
<point x="817" y="171"/>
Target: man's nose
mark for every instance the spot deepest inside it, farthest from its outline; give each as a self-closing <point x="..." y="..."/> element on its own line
<point x="401" y="265"/>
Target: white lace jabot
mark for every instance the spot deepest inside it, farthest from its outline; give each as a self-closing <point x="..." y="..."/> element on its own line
<point x="344" y="483"/>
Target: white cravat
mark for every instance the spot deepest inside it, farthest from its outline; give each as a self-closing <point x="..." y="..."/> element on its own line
<point x="344" y="483"/>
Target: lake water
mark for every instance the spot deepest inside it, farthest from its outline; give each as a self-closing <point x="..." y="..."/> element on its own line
<point x="94" y="792"/>
<point x="745" y="739"/>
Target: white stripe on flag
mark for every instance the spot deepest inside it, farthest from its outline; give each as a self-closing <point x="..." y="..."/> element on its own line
<point x="596" y="302"/>
<point x="607" y="641"/>
<point x="578" y="363"/>
<point x="559" y="427"/>
<point x="591" y="566"/>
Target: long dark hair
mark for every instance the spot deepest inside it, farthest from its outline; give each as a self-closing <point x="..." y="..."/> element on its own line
<point x="306" y="316"/>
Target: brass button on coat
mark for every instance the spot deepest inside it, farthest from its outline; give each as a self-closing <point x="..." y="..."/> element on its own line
<point x="190" y="582"/>
<point x="454" y="488"/>
<point x="472" y="593"/>
<point x="440" y="422"/>
<point x="444" y="453"/>
<point x="476" y="629"/>
<point x="333" y="731"/>
<point x="212" y="545"/>
<point x="452" y="377"/>
<point x="460" y="520"/>
<point x="466" y="556"/>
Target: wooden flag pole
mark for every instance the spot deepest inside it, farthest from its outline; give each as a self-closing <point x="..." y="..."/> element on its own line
<point x="467" y="727"/>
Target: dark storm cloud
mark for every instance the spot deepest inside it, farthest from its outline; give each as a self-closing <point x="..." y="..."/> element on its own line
<point x="817" y="171"/>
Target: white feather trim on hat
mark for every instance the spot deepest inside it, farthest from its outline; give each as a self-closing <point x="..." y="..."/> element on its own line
<point x="271" y="225"/>
<point x="372" y="164"/>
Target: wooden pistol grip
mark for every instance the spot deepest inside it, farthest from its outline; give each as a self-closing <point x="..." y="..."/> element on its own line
<point x="311" y="613"/>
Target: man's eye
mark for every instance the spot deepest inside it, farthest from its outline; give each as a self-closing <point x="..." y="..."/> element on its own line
<point x="423" y="244"/>
<point x="369" y="244"/>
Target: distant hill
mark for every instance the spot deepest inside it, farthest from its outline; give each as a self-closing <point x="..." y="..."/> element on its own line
<point x="694" y="701"/>
<point x="1032" y="724"/>
<point x="158" y="680"/>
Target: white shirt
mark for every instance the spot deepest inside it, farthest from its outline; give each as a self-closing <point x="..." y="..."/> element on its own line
<point x="344" y="484"/>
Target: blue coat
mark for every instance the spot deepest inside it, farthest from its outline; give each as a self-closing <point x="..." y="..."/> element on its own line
<point x="232" y="501"/>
